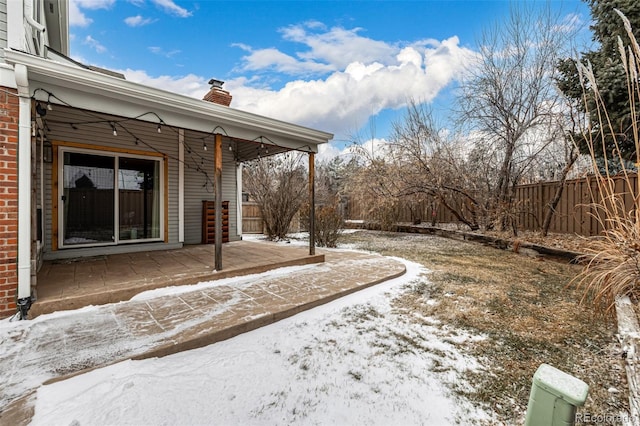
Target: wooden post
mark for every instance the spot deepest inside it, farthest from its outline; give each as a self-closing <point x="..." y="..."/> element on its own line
<point x="312" y="205"/>
<point x="217" y="155"/>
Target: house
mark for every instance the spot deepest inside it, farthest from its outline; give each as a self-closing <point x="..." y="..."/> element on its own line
<point x="93" y="164"/>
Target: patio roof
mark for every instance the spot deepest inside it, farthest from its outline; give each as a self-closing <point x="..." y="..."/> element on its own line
<point x="90" y="90"/>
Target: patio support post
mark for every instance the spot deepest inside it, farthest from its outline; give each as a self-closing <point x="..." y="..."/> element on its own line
<point x="181" y="185"/>
<point x="217" y="155"/>
<point x="312" y="205"/>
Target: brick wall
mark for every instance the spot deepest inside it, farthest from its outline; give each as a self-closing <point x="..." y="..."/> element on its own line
<point x="8" y="201"/>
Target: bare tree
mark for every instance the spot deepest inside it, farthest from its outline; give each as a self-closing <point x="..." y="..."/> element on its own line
<point x="510" y="98"/>
<point x="431" y="164"/>
<point x="279" y="186"/>
<point x="330" y="179"/>
<point x="419" y="164"/>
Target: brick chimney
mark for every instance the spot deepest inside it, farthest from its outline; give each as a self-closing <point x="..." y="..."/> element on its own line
<point x="217" y="94"/>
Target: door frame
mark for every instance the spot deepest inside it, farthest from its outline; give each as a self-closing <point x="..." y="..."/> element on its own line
<point x="57" y="180"/>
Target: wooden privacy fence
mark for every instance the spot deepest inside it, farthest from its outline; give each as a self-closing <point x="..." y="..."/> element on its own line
<point x="252" y="222"/>
<point x="420" y="211"/>
<point x="575" y="212"/>
<point x="251" y="218"/>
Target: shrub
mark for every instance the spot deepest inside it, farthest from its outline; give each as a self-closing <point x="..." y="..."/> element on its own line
<point x="328" y="224"/>
<point x="612" y="264"/>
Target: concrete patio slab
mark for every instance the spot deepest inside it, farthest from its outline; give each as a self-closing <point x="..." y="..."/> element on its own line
<point x="56" y="346"/>
<point x="74" y="283"/>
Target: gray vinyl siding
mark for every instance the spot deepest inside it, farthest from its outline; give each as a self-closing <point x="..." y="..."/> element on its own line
<point x="101" y="135"/>
<point x="3" y="24"/>
<point x="199" y="186"/>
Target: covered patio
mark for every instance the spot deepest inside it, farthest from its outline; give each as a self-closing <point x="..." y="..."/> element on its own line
<point x="114" y="175"/>
<point x="73" y="283"/>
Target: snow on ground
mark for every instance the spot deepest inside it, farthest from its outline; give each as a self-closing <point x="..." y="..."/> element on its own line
<point x="356" y="360"/>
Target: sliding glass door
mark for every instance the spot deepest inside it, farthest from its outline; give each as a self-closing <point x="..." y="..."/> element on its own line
<point x="88" y="199"/>
<point x="139" y="198"/>
<point x="109" y="198"/>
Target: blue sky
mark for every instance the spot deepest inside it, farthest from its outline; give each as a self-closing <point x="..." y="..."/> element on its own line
<point x="337" y="66"/>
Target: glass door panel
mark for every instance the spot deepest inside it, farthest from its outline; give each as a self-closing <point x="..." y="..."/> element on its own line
<point x="138" y="198"/>
<point x="88" y="199"/>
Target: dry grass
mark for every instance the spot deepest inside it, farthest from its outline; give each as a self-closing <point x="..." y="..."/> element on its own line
<point x="612" y="268"/>
<point x="524" y="308"/>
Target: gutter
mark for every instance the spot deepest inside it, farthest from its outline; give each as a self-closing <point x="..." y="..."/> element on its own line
<point x="101" y="84"/>
<point x="24" y="191"/>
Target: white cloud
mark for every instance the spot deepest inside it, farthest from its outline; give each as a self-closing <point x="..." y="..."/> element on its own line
<point x="77" y="16"/>
<point x="338" y="47"/>
<point x="160" y="51"/>
<point x="137" y="21"/>
<point x="95" y="4"/>
<point x="324" y="52"/>
<point x="170" y="7"/>
<point x="570" y="23"/>
<point x="273" y="59"/>
<point x="347" y="97"/>
<point x="95" y="44"/>
<point x="189" y="85"/>
<point x="327" y="151"/>
<point x="371" y="148"/>
<point x="344" y="93"/>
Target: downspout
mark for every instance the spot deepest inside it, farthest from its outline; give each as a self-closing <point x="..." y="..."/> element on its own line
<point x="24" y="191"/>
<point x="36" y="26"/>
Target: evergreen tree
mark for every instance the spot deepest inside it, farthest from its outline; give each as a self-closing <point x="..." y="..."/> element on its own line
<point x="610" y="76"/>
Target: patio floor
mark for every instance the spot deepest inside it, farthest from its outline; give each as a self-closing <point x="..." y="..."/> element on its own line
<point x="74" y="283"/>
<point x="55" y="347"/>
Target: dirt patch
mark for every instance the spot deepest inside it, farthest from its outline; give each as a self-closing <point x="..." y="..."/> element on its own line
<point x="524" y="308"/>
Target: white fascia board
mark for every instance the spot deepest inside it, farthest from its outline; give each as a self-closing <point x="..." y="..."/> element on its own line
<point x="91" y="90"/>
<point x="15" y="25"/>
<point x="7" y="76"/>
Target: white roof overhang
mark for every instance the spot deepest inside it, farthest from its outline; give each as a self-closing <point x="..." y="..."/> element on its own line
<point x="94" y="91"/>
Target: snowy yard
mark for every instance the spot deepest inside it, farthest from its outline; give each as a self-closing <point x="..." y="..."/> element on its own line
<point x="454" y="341"/>
<point x="354" y="361"/>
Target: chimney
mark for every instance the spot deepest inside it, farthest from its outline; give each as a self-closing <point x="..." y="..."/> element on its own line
<point x="217" y="94"/>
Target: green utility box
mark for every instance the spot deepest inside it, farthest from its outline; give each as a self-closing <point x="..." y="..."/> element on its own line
<point x="555" y="395"/>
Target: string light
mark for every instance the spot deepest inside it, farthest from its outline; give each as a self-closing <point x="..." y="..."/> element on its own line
<point x="42" y="111"/>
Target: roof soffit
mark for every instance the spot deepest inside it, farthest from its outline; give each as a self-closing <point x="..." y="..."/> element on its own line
<point x="87" y="89"/>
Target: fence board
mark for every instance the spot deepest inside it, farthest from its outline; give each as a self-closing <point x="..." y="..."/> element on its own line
<point x="251" y="218"/>
<point x="574" y="214"/>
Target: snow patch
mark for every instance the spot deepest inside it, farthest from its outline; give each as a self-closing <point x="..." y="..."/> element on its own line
<point x="356" y="360"/>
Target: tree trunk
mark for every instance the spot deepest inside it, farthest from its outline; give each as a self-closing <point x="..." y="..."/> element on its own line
<point x="551" y="210"/>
